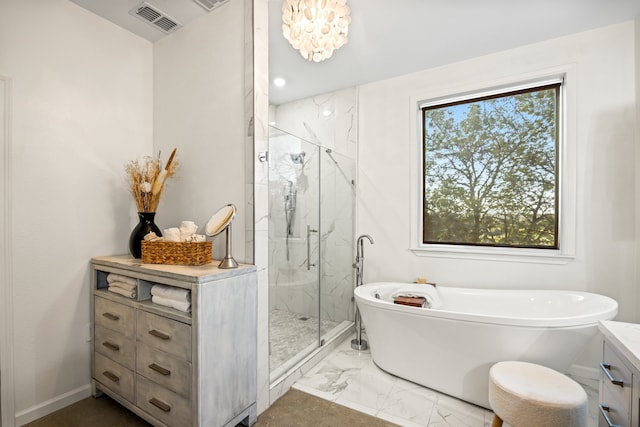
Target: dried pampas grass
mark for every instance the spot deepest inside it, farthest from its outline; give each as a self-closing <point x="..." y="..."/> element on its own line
<point x="147" y="178"/>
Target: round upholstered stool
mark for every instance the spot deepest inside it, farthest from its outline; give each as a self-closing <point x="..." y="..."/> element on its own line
<point x="529" y="395"/>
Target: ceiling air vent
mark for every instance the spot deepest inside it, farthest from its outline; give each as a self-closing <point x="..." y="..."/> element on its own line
<point x="209" y="5"/>
<point x="155" y="17"/>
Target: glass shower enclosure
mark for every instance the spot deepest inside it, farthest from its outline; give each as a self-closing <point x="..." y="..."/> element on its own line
<point x="311" y="223"/>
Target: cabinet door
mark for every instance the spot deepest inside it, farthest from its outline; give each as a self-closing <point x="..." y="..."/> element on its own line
<point x="616" y="389"/>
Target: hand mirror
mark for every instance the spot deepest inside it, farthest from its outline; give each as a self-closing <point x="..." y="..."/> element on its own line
<point x="219" y="222"/>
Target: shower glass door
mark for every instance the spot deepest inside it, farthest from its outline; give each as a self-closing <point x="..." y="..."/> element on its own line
<point x="294" y="256"/>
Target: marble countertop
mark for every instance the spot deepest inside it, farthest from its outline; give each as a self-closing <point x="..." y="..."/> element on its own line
<point x="625" y="336"/>
<point x="187" y="273"/>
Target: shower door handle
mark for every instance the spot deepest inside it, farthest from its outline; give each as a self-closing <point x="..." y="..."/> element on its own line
<point x="309" y="231"/>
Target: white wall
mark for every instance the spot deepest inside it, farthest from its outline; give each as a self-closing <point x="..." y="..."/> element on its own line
<point x="6" y="318"/>
<point x="606" y="242"/>
<point x="81" y="108"/>
<point x="199" y="108"/>
<point x="637" y="152"/>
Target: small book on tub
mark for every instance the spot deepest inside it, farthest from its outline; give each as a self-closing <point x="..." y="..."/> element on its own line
<point x="413" y="301"/>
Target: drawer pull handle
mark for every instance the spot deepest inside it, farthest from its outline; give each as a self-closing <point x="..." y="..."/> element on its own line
<point x="111" y="316"/>
<point x="113" y="377"/>
<point x="159" y="369"/>
<point x="160" y="405"/>
<point x="607" y="371"/>
<point x="160" y="335"/>
<point x="111" y="346"/>
<point x="604" y="410"/>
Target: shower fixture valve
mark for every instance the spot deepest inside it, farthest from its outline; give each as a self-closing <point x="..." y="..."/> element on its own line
<point x="298" y="158"/>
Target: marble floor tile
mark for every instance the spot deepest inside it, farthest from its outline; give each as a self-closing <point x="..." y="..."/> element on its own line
<point x="350" y="378"/>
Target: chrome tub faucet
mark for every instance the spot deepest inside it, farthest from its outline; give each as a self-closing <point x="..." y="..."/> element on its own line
<point x="358" y="343"/>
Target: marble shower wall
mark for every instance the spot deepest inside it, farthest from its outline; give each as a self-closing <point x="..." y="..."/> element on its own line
<point x="329" y="120"/>
<point x="325" y="199"/>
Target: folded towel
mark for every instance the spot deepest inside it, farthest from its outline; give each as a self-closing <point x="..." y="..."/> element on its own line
<point x="171" y="292"/>
<point x="126" y="286"/>
<point x="152" y="237"/>
<point x="196" y="238"/>
<point x="182" y="306"/>
<point x="112" y="277"/>
<point x="123" y="292"/>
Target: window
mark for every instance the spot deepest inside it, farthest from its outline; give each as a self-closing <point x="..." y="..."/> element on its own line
<point x="491" y="168"/>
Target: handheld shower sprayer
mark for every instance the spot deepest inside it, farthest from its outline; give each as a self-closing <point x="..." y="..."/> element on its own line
<point x="290" y="195"/>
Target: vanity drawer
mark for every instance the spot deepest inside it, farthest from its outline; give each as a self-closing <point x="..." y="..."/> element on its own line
<point x="616" y="377"/>
<point x="167" y="406"/>
<point x="165" y="334"/>
<point x="165" y="369"/>
<point x="114" y="376"/>
<point x="114" y="316"/>
<point x="115" y="346"/>
<point x="617" y="412"/>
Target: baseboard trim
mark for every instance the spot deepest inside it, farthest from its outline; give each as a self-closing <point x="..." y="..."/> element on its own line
<point x="45" y="408"/>
<point x="584" y="372"/>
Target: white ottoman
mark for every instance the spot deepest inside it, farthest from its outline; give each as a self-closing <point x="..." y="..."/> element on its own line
<point x="529" y="395"/>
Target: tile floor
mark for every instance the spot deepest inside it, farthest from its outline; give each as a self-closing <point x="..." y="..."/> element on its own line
<point x="350" y="378"/>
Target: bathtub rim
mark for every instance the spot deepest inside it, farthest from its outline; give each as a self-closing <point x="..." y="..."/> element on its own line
<point x="581" y="320"/>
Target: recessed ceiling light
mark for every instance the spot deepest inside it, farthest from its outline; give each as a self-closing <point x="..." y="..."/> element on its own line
<point x="279" y="81"/>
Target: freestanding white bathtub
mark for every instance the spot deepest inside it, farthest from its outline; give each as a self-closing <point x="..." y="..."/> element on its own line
<point x="451" y="346"/>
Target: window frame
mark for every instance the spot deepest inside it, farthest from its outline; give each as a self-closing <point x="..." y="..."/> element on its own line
<point x="566" y="174"/>
<point x="555" y="86"/>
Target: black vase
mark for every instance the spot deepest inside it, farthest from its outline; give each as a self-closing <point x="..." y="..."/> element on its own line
<point x="144" y="227"/>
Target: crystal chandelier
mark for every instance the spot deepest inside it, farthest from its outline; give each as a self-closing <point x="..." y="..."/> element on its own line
<point x="315" y="27"/>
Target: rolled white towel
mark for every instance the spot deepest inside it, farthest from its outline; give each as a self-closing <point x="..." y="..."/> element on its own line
<point x="178" y="305"/>
<point x="112" y="277"/>
<point x="123" y="292"/>
<point x="171" y="234"/>
<point x="123" y="285"/>
<point x="196" y="238"/>
<point x="171" y="292"/>
<point x="151" y="237"/>
<point x="187" y="229"/>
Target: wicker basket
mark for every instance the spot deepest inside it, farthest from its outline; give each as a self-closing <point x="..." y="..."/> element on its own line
<point x="185" y="253"/>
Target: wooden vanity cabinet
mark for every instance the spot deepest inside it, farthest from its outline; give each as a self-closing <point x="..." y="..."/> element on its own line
<point x="170" y="367"/>
<point x="619" y="401"/>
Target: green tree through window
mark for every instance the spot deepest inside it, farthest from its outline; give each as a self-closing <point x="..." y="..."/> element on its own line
<point x="490" y="170"/>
